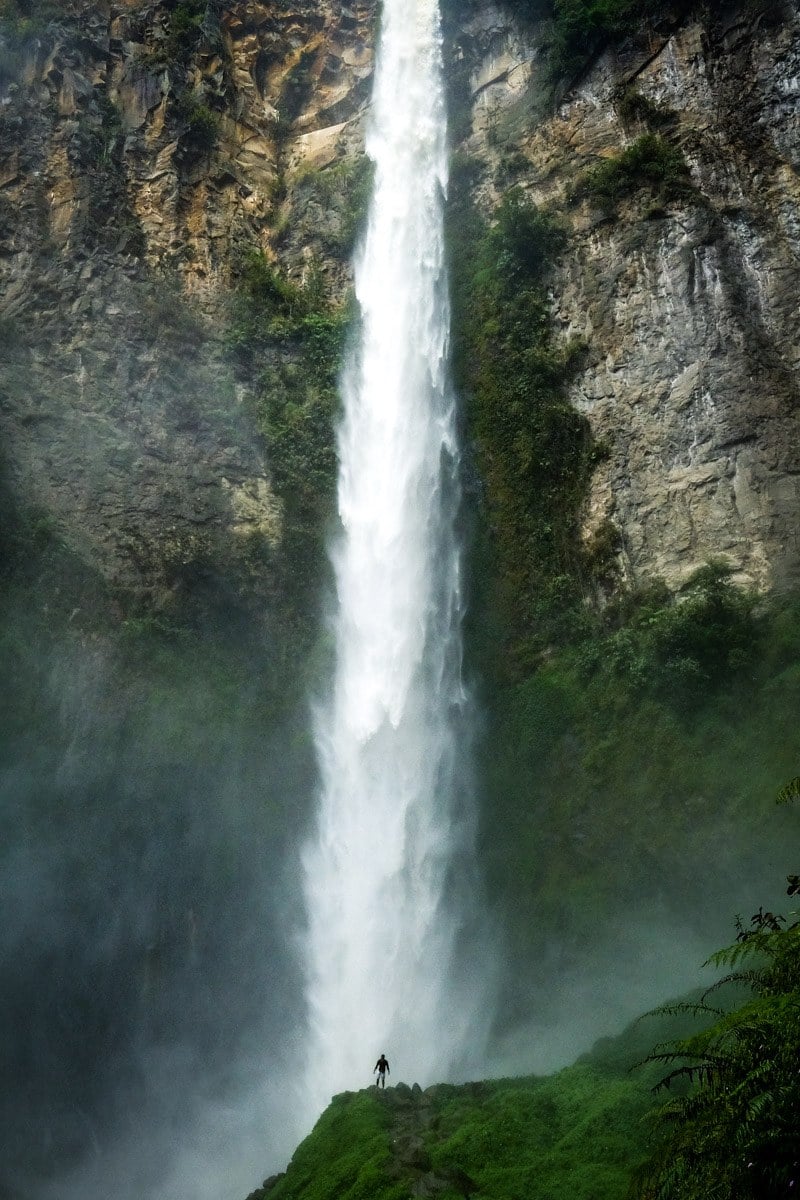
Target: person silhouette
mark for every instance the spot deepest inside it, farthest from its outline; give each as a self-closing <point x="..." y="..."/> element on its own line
<point x="382" y="1067"/>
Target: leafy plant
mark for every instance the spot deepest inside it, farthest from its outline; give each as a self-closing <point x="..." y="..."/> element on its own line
<point x="734" y="1134"/>
<point x="650" y="162"/>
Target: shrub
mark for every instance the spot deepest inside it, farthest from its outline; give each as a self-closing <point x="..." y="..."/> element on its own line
<point x="650" y="162"/>
<point x="201" y="123"/>
<point x="734" y="1135"/>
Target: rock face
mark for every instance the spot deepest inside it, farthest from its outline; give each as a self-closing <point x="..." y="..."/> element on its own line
<point x="146" y="147"/>
<point x="688" y="309"/>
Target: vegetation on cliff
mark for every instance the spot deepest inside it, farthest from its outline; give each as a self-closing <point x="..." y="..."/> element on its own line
<point x="533" y="451"/>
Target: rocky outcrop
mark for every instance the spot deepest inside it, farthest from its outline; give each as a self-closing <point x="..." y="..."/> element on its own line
<point x="687" y="308"/>
<point x="145" y="148"/>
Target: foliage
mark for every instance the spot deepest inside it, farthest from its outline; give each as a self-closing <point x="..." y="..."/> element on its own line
<point x="184" y="31"/>
<point x="202" y="123"/>
<point x="618" y="769"/>
<point x="581" y="28"/>
<point x="22" y="22"/>
<point x="633" y="107"/>
<point x="24" y="19"/>
<point x="345" y="1158"/>
<point x="296" y="409"/>
<point x="579" y="1132"/>
<point x="533" y="450"/>
<point x="734" y="1136"/>
<point x="679" y="649"/>
<point x="335" y="201"/>
<point x="650" y="162"/>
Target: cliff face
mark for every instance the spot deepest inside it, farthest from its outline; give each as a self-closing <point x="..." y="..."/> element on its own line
<point x="146" y="149"/>
<point x="687" y="306"/>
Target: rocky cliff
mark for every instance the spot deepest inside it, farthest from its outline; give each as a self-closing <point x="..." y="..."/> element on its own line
<point x="147" y="149"/>
<point x="686" y="304"/>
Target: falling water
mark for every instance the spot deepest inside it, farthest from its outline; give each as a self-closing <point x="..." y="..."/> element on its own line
<point x="391" y="822"/>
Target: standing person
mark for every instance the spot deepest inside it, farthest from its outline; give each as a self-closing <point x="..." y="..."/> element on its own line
<point x="382" y="1067"/>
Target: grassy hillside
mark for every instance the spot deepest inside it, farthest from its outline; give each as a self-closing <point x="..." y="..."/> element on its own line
<point x="581" y="1133"/>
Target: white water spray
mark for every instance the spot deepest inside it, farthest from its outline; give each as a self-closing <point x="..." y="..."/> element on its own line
<point x="380" y="938"/>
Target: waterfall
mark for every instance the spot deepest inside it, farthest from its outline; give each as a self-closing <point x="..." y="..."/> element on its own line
<point x="391" y="821"/>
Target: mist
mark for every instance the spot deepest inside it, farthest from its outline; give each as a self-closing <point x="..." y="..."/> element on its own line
<point x="150" y="1002"/>
<point x="159" y="780"/>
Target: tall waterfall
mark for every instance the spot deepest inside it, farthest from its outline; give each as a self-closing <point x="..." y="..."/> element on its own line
<point x="391" y="823"/>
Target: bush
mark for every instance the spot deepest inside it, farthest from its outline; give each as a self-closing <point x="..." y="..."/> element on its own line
<point x="201" y="122"/>
<point x="734" y="1135"/>
<point x="650" y="162"/>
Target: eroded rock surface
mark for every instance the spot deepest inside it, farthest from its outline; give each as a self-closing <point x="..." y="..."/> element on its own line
<point x="688" y="310"/>
<point x="144" y="150"/>
<point x="141" y="159"/>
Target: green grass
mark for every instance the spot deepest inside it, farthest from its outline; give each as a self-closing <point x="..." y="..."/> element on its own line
<point x="580" y="1133"/>
<point x="345" y="1158"/>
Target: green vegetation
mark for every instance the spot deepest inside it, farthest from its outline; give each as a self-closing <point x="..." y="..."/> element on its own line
<point x="582" y="28"/>
<point x="21" y="23"/>
<point x="633" y="107"/>
<point x="734" y="1134"/>
<point x="650" y="162"/>
<point x="184" y="32"/>
<point x="612" y="772"/>
<point x="334" y="202"/>
<point x="297" y="410"/>
<point x="579" y="1133"/>
<point x="23" y="19"/>
<point x="345" y="1158"/>
<point x="534" y="451"/>
<point x="202" y="123"/>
